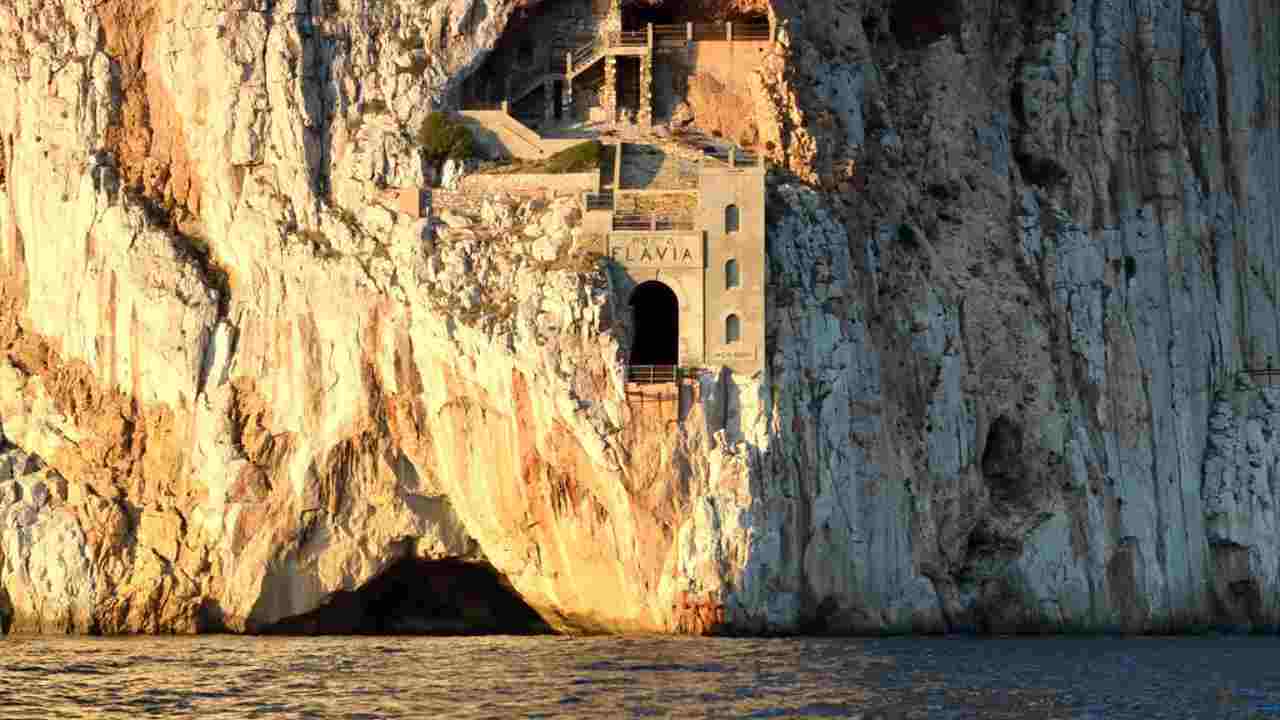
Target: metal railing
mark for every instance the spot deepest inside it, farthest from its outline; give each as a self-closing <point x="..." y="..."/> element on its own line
<point x="753" y="31"/>
<point x="670" y="35"/>
<point x="528" y="82"/>
<point x="680" y="30"/>
<point x="1264" y="376"/>
<point x="710" y="31"/>
<point x="734" y="157"/>
<point x="641" y="222"/>
<point x="585" y="56"/>
<point x="652" y="374"/>
<point x="600" y="201"/>
<point x="629" y="39"/>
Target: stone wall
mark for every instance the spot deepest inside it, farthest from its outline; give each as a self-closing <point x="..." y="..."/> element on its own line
<point x="657" y="203"/>
<point x="721" y="188"/>
<point x="715" y="81"/>
<point x="560" y="184"/>
<point x="636" y="259"/>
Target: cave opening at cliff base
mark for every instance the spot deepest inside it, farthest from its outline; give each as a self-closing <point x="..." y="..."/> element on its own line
<point x="422" y="597"/>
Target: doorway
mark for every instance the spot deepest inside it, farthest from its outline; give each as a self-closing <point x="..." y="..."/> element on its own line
<point x="655" y="314"/>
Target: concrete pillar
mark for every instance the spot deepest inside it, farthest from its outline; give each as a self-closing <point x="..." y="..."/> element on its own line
<point x="609" y="91"/>
<point x="644" y="115"/>
<point x="568" y="63"/>
<point x="688" y="32"/>
<point x="566" y="100"/>
<point x="617" y="166"/>
<point x="728" y="31"/>
<point x="649" y="28"/>
<point x="613" y="22"/>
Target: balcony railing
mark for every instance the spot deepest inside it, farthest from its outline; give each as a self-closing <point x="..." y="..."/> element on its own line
<point x="640" y="222"/>
<point x="586" y="52"/>
<point x="734" y="157"/>
<point x="629" y="39"/>
<point x="600" y="201"/>
<point x="652" y="374"/>
<point x="753" y="31"/>
<point x="1264" y="376"/>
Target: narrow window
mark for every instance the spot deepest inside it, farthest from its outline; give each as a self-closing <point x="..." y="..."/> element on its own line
<point x="731" y="219"/>
<point x="732" y="329"/>
<point x="731" y="274"/>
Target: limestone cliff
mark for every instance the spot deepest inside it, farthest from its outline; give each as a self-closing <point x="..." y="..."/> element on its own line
<point x="1021" y="254"/>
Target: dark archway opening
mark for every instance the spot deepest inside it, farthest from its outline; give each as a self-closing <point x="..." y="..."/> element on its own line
<point x="637" y="13"/>
<point x="916" y="23"/>
<point x="655" y="314"/>
<point x="636" y="17"/>
<point x="422" y="597"/>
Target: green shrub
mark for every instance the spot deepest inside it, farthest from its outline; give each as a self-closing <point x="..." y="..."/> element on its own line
<point x="442" y="138"/>
<point x="579" y="158"/>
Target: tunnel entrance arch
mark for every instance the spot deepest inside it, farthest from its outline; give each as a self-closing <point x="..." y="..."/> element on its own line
<point x="655" y="315"/>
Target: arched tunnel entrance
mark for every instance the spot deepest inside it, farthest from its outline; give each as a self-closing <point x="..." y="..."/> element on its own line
<point x="655" y="315"/>
<point x="422" y="597"/>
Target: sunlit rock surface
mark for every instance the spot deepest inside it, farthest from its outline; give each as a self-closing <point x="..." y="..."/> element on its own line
<point x="1020" y="257"/>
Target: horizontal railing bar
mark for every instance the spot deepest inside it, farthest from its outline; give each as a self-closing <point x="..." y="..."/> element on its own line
<point x="646" y="374"/>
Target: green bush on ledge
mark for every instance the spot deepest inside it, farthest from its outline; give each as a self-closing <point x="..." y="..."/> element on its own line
<point x="444" y="139"/>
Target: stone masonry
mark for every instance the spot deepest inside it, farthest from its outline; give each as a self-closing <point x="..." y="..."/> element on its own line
<point x="609" y="91"/>
<point x="644" y="115"/>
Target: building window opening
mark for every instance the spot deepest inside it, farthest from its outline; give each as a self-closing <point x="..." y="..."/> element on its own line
<point x="731" y="220"/>
<point x="655" y="315"/>
<point x="731" y="275"/>
<point x="732" y="329"/>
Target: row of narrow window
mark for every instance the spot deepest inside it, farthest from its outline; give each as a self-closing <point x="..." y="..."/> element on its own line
<point x="732" y="329"/>
<point x="732" y="325"/>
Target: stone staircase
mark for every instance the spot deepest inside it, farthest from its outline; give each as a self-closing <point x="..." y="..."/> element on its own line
<point x="528" y="85"/>
<point x="495" y="127"/>
<point x="518" y="140"/>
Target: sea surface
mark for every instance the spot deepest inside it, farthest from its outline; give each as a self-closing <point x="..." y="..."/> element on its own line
<point x="499" y="677"/>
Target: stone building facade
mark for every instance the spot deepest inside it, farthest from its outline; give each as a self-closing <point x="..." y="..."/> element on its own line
<point x="716" y="271"/>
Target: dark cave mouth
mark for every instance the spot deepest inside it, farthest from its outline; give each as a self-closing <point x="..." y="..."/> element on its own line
<point x="422" y="597"/>
<point x="637" y="13"/>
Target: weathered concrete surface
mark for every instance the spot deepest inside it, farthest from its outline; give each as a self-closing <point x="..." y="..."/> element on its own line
<point x="1015" y="276"/>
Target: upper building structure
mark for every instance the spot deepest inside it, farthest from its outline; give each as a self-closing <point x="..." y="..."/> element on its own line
<point x="685" y="235"/>
<point x="580" y="61"/>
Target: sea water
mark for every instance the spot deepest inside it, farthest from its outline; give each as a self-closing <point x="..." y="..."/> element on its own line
<point x="498" y="677"/>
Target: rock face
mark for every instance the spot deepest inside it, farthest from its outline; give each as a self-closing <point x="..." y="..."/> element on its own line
<point x="1018" y="268"/>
